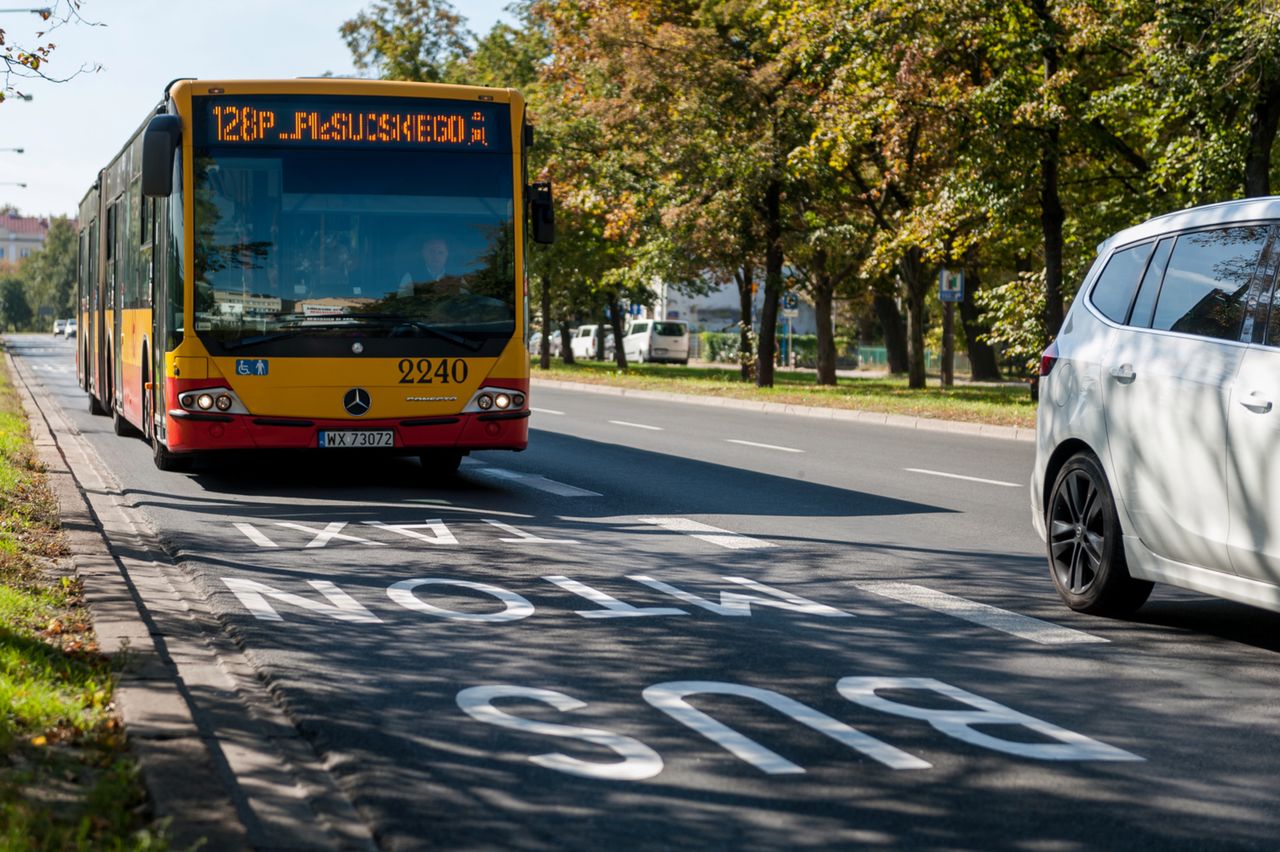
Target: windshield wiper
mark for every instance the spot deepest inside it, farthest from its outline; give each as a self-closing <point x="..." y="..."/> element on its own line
<point x="419" y="325"/>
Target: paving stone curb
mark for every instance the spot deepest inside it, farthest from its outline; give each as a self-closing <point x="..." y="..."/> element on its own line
<point x="923" y="424"/>
<point x="220" y="759"/>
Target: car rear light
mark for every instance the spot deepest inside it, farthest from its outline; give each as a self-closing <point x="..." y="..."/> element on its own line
<point x="1049" y="358"/>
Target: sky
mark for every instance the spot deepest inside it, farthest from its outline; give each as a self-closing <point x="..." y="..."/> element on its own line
<point x="71" y="130"/>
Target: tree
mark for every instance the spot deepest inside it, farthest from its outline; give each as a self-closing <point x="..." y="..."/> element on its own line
<point x="15" y="312"/>
<point x="29" y="62"/>
<point x="49" y="274"/>
<point x="417" y="40"/>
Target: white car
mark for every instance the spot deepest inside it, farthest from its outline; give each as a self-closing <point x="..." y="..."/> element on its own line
<point x="1158" y="429"/>
<point x="585" y="340"/>
<point x="70" y="328"/>
<point x="535" y="344"/>
<point x="59" y="327"/>
<point x="657" y="340"/>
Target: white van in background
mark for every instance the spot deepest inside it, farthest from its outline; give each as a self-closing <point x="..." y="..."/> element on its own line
<point x="657" y="340"/>
<point x="585" y="340"/>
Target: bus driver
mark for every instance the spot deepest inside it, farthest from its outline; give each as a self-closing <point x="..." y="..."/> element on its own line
<point x="435" y="257"/>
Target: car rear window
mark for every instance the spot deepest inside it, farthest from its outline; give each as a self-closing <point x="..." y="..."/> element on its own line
<point x="668" y="329"/>
<point x="1113" y="293"/>
<point x="639" y="328"/>
<point x="1206" y="285"/>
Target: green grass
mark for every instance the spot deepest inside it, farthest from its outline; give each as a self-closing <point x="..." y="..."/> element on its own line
<point x="1000" y="404"/>
<point x="66" y="779"/>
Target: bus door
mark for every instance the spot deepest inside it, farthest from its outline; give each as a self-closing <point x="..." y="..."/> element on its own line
<point x="115" y="304"/>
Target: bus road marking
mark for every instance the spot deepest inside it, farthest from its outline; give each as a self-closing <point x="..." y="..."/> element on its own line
<point x="708" y="533"/>
<point x="1022" y="626"/>
<point x="636" y="425"/>
<point x="999" y="482"/>
<point x="533" y="480"/>
<point x="546" y="411"/>
<point x="763" y="446"/>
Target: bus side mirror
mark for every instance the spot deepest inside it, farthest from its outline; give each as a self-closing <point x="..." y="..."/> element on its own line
<point x="159" y="142"/>
<point x="541" y="214"/>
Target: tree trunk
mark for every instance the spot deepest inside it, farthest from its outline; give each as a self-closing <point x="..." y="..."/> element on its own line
<point x="615" y="322"/>
<point x="772" y="283"/>
<point x="895" y="332"/>
<point x="982" y="358"/>
<point x="600" y="340"/>
<point x="916" y="285"/>
<point x="824" y="288"/>
<point x="1052" y="215"/>
<point x="1263" y="122"/>
<point x="544" y="349"/>
<point x="746" y="288"/>
<point x="566" y="343"/>
<point x="948" y="344"/>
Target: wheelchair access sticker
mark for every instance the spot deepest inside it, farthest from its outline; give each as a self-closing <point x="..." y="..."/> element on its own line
<point x="252" y="366"/>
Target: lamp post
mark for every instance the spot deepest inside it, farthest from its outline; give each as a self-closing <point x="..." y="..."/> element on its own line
<point x="43" y="10"/>
<point x="14" y="150"/>
<point x="12" y="183"/>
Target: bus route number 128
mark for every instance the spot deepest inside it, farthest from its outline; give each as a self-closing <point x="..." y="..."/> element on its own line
<point x="425" y="371"/>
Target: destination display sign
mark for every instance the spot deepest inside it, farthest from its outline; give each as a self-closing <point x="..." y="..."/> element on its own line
<point x="360" y="122"/>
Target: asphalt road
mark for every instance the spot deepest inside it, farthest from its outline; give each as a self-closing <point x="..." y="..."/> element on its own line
<point x="675" y="626"/>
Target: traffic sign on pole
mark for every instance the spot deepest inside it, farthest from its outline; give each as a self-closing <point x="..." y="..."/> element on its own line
<point x="951" y="285"/>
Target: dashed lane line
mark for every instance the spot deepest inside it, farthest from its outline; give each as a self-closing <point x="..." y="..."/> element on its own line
<point x="999" y="482"/>
<point x="533" y="480"/>
<point x="763" y="446"/>
<point x="546" y="411"/>
<point x="636" y="425"/>
<point x="708" y="533"/>
<point x="1022" y="626"/>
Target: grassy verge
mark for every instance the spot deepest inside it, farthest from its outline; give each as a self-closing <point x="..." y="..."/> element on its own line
<point x="66" y="780"/>
<point x="1004" y="405"/>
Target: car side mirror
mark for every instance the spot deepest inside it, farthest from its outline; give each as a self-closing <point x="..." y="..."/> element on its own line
<point x="159" y="143"/>
<point x="541" y="213"/>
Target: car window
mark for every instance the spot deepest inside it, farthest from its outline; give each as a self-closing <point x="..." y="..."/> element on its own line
<point x="1206" y="285"/>
<point x="639" y="328"/>
<point x="1145" y="304"/>
<point x="668" y="329"/>
<point x="1118" y="281"/>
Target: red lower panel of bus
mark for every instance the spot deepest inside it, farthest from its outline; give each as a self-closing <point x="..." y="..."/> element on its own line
<point x="189" y="431"/>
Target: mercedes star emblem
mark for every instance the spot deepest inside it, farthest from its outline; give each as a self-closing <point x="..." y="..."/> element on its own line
<point x="356" y="402"/>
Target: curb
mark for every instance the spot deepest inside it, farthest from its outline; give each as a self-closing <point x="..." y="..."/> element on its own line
<point x="848" y="415"/>
<point x="219" y="758"/>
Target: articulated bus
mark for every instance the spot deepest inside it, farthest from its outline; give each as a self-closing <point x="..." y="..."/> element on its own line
<point x="313" y="264"/>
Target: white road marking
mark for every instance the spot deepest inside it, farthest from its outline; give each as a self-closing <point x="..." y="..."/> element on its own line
<point x="547" y="411"/>
<point x="966" y="478"/>
<point x="636" y="425"/>
<point x="329" y="533"/>
<point x="541" y="483"/>
<point x="1022" y="626"/>
<point x="708" y="533"/>
<point x="255" y="535"/>
<point x="737" y="604"/>
<point x="610" y="607"/>
<point x="764" y="446"/>
<point x="522" y="537"/>
<point x="440" y="534"/>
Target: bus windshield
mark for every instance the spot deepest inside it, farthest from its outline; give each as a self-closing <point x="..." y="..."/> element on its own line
<point x="306" y="242"/>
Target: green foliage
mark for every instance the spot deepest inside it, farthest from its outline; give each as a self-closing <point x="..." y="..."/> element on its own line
<point x="49" y="275"/>
<point x="15" y="310"/>
<point x="1015" y="311"/>
<point x="416" y="40"/>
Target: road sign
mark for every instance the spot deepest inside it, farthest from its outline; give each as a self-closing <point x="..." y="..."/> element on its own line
<point x="790" y="301"/>
<point x="951" y="285"/>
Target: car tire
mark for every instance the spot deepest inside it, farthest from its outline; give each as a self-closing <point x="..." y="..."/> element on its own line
<point x="1084" y="543"/>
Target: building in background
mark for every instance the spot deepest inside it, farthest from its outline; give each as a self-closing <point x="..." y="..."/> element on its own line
<point x="21" y="236"/>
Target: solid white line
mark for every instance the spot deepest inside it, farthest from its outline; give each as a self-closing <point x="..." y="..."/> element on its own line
<point x="1022" y="626"/>
<point x="764" y="446"/>
<point x="966" y="478"/>
<point x="708" y="533"/>
<point x="636" y="425"/>
<point x="541" y="483"/>
<point x="546" y="411"/>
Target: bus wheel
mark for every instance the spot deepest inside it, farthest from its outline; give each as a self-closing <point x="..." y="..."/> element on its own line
<point x="167" y="461"/>
<point x="95" y="407"/>
<point x="120" y="426"/>
<point x="441" y="461"/>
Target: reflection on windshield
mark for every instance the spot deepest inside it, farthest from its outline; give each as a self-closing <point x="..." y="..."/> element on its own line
<point x="313" y="240"/>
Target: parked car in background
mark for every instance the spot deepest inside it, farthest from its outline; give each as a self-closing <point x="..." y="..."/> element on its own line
<point x="585" y="340"/>
<point x="535" y="344"/>
<point x="70" y="329"/>
<point x="59" y="327"/>
<point x="1158" y="427"/>
<point x="661" y="341"/>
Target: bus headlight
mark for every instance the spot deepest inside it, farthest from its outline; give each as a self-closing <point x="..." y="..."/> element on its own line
<point x="204" y="401"/>
<point x="495" y="399"/>
<point x="502" y="402"/>
<point x="224" y="402"/>
<point x="484" y="402"/>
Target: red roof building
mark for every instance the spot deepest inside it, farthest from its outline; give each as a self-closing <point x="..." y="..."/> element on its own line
<point x="21" y="236"/>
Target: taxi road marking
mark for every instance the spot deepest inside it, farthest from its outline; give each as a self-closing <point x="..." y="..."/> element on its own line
<point x="999" y="482"/>
<point x="708" y="533"/>
<point x="1022" y="626"/>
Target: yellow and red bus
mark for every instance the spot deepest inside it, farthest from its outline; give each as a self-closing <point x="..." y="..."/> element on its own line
<point x="313" y="264"/>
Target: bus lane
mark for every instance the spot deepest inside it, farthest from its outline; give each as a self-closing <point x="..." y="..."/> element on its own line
<point x="493" y="663"/>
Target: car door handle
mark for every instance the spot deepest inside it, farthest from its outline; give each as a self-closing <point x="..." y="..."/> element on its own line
<point x="1256" y="403"/>
<point x="1124" y="373"/>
